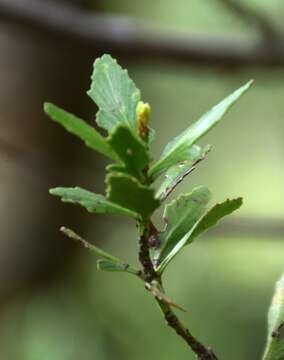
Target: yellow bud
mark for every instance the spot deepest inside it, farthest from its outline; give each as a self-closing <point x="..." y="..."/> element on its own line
<point x="143" y="116"/>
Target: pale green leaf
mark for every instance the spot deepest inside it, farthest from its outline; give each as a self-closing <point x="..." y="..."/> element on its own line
<point x="120" y="168"/>
<point x="178" y="149"/>
<point x="178" y="172"/>
<point x="275" y="342"/>
<point x="115" y="94"/>
<point x="94" y="203"/>
<point x="127" y="192"/>
<point x="181" y="216"/>
<point x="215" y="214"/>
<point x="81" y="129"/>
<point x="111" y="266"/>
<point x="132" y="151"/>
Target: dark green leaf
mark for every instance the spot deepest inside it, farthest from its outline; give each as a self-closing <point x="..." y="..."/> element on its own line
<point x="181" y="215"/>
<point x="115" y="94"/>
<point x="127" y="192"/>
<point x="275" y="341"/>
<point x="177" y="150"/>
<point x="178" y="172"/>
<point x="94" y="203"/>
<point x="132" y="152"/>
<point x="116" y="168"/>
<point x="80" y="128"/>
<point x="215" y="214"/>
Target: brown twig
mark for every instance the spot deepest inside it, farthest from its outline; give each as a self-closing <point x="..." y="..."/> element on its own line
<point x="144" y="254"/>
<point x="127" y="37"/>
<point x="202" y="352"/>
<point x="152" y="278"/>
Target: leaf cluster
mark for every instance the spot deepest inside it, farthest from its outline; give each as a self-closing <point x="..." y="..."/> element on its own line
<point x="131" y="176"/>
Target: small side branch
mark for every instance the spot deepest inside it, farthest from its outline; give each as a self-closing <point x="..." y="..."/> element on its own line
<point x="110" y="262"/>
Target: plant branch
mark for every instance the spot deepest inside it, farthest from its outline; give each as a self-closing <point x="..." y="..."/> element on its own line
<point x="172" y="320"/>
<point x="101" y="253"/>
<point x="144" y="253"/>
<point x="152" y="279"/>
<point x="252" y="17"/>
<point x="124" y="36"/>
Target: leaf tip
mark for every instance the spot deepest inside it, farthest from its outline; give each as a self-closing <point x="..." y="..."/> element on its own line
<point x="237" y="201"/>
<point x="246" y="86"/>
<point x="240" y="200"/>
<point x="47" y="107"/>
<point x="100" y="265"/>
<point x="53" y="191"/>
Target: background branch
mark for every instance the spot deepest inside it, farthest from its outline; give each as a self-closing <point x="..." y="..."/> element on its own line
<point x="252" y="17"/>
<point x="127" y="37"/>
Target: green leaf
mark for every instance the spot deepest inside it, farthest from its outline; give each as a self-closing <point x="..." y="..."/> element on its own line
<point x="127" y="192"/>
<point x="81" y="129"/>
<point x="215" y="214"/>
<point x="178" y="149"/>
<point x="178" y="172"/>
<point x="94" y="203"/>
<point x="115" y="94"/>
<point x="275" y="342"/>
<point x="106" y="265"/>
<point x="132" y="152"/>
<point x="181" y="215"/>
<point x="120" y="168"/>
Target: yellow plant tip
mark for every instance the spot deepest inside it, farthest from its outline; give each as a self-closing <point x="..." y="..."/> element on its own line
<point x="143" y="112"/>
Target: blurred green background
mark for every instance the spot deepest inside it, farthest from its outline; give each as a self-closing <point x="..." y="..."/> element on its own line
<point x="54" y="305"/>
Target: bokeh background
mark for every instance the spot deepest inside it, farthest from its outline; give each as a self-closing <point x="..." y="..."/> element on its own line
<point x="54" y="305"/>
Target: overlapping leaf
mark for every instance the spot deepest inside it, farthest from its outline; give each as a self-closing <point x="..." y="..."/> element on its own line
<point x="94" y="203"/>
<point x="127" y="192"/>
<point x="198" y="221"/>
<point x="179" y="171"/>
<point x="275" y="341"/>
<point x="116" y="167"/>
<point x="181" y="215"/>
<point x="132" y="152"/>
<point x="115" y="94"/>
<point x="214" y="215"/>
<point x="81" y="129"/>
<point x="178" y="149"/>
